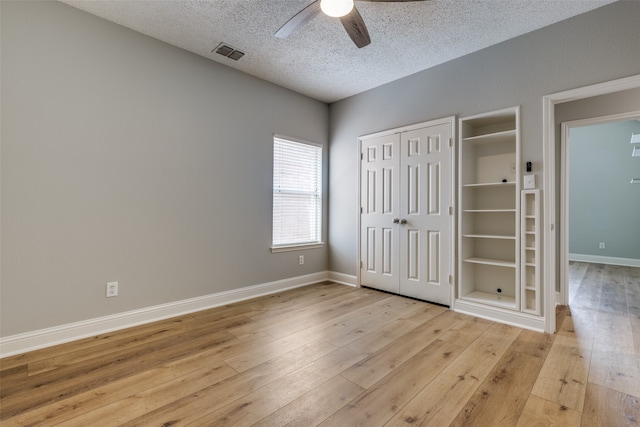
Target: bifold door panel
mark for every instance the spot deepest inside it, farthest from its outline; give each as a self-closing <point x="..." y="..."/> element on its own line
<point x="380" y="213"/>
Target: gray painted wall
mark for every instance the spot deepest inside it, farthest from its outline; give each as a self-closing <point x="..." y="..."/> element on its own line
<point x="126" y="159"/>
<point x="598" y="46"/>
<point x="603" y="205"/>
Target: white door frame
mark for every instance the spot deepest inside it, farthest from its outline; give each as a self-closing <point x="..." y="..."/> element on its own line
<point x="564" y="189"/>
<point x="451" y="121"/>
<point x="549" y="179"/>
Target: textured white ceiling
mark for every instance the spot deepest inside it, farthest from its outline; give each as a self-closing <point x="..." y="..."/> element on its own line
<point x="319" y="60"/>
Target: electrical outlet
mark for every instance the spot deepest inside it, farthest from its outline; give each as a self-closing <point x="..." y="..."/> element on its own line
<point x="601" y="245"/>
<point x="301" y="260"/>
<point x="112" y="289"/>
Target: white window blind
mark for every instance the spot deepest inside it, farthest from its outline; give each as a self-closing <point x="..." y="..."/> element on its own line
<point x="297" y="192"/>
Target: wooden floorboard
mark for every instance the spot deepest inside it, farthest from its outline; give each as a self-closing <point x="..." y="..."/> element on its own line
<point x="334" y="355"/>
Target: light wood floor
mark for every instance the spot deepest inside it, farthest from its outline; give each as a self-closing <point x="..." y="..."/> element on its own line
<point x="333" y="355"/>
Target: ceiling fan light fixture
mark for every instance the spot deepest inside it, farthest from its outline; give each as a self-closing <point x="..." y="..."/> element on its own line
<point x="336" y="8"/>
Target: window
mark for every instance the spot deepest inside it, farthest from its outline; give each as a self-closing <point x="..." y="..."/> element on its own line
<point x="297" y="193"/>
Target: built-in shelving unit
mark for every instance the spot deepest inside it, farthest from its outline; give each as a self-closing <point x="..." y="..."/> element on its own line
<point x="498" y="257"/>
<point x="530" y="251"/>
<point x="488" y="230"/>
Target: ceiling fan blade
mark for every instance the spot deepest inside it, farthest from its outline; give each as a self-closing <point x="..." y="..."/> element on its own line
<point x="301" y="18"/>
<point x="354" y="25"/>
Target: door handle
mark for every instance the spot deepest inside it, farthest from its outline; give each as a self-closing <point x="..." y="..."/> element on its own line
<point x="396" y="220"/>
<point x="403" y="221"/>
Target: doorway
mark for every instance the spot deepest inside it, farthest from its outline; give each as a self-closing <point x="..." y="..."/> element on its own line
<point x="552" y="251"/>
<point x="598" y="201"/>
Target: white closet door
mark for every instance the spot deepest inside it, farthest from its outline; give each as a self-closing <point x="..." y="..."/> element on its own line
<point x="406" y="233"/>
<point x="380" y="202"/>
<point x="425" y="197"/>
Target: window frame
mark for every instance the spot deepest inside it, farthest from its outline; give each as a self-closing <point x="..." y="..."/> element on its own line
<point x="319" y="194"/>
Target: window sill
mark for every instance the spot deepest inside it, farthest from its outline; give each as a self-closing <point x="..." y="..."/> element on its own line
<point x="276" y="249"/>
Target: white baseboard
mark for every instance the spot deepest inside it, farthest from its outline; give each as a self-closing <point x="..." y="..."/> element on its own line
<point x="627" y="262"/>
<point x="521" y="320"/>
<point x="343" y="279"/>
<point x="20" y="343"/>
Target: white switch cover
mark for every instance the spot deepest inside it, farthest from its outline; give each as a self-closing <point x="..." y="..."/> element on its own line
<point x="529" y="182"/>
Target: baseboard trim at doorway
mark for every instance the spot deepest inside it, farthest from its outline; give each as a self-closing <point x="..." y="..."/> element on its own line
<point x="597" y="259"/>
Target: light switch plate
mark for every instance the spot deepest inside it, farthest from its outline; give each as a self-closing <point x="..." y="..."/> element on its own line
<point x="529" y="182"/>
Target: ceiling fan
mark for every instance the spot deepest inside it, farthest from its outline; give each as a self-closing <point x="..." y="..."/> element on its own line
<point x="343" y="9"/>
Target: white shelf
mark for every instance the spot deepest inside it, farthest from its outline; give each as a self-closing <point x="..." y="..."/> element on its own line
<point x="489" y="261"/>
<point x="490" y="184"/>
<point x="489" y="210"/>
<point x="492" y="299"/>
<point x="490" y="236"/>
<point x="503" y="136"/>
<point x="530" y="257"/>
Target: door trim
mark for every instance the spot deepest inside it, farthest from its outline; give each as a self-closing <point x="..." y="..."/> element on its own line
<point x="451" y="121"/>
